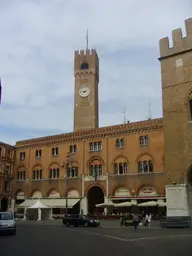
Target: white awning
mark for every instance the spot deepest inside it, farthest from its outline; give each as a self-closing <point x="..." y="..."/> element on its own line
<point x="149" y="203"/>
<point x="124" y="204"/>
<point x="50" y="202"/>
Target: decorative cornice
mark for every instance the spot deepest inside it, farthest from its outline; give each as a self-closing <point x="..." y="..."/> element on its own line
<point x="110" y="131"/>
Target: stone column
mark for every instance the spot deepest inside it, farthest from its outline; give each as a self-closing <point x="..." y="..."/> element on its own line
<point x="24" y="215"/>
<point x="106" y="200"/>
<point x="39" y="215"/>
<point x="83" y="203"/>
<point x="13" y="205"/>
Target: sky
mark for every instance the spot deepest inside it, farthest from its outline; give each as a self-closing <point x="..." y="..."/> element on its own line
<point x="38" y="40"/>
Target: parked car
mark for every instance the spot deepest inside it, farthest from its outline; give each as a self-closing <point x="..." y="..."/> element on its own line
<point x="80" y="220"/>
<point x="7" y="223"/>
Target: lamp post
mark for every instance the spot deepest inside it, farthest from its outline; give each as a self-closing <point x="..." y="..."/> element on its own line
<point x="67" y="164"/>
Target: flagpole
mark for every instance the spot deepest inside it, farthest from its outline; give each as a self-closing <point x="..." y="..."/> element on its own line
<point x="0" y="91"/>
<point x="87" y="40"/>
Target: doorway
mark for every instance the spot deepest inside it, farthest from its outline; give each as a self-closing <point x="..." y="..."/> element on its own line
<point x="95" y="196"/>
<point x="4" y="204"/>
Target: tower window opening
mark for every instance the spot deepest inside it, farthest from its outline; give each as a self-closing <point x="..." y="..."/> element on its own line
<point x="84" y="66"/>
<point x="190" y="108"/>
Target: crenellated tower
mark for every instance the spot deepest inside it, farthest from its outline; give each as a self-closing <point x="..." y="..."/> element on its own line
<point x="176" y="73"/>
<point x="86" y="98"/>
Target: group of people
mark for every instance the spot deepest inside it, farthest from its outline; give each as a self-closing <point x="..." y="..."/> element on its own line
<point x="147" y="220"/>
<point x="137" y="219"/>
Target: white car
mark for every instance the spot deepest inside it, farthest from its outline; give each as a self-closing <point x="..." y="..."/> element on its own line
<point x="7" y="223"/>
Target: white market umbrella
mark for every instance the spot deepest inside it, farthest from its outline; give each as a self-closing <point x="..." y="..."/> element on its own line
<point x="149" y="203"/>
<point x="124" y="204"/>
<point x="162" y="204"/>
<point x="38" y="205"/>
<point x="105" y="205"/>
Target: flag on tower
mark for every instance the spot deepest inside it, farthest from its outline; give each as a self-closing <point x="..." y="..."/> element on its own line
<point x="0" y="91"/>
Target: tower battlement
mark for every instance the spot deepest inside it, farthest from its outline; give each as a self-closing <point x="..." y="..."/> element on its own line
<point x="180" y="43"/>
<point x="88" y="58"/>
<point x="86" y="52"/>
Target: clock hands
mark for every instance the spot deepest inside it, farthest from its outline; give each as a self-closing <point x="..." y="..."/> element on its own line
<point x="84" y="92"/>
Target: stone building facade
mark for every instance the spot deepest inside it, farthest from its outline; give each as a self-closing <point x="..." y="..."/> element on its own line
<point x="116" y="163"/>
<point x="126" y="162"/>
<point x="7" y="153"/>
<point x="113" y="163"/>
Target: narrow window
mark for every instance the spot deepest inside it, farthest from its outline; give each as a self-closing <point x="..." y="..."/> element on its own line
<point x="190" y="108"/>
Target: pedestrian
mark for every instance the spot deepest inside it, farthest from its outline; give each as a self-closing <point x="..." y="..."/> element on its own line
<point x="122" y="221"/>
<point x="148" y="220"/>
<point x="135" y="220"/>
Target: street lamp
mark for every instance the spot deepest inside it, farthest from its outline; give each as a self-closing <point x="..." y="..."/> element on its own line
<point x="67" y="164"/>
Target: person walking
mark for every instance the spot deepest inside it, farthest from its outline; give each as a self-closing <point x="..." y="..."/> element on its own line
<point x="148" y="220"/>
<point x="135" y="220"/>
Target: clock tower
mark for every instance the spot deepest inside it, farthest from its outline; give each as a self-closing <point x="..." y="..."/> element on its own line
<point x="86" y="106"/>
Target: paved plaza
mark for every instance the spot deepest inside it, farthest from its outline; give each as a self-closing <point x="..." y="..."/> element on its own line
<point x="48" y="238"/>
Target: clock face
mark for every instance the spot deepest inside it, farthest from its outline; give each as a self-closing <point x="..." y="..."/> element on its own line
<point x="84" y="92"/>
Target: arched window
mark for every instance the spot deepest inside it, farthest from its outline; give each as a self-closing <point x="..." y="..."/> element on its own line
<point x="37" y="174"/>
<point x="99" y="146"/>
<point x="150" y="166"/>
<point x="73" y="148"/>
<point x="119" y="143"/>
<point x="21" y="174"/>
<point x="140" y="166"/>
<point x="95" y="170"/>
<point x="144" y="140"/>
<point x="120" y="168"/>
<point x="72" y="172"/>
<point x="96" y="146"/>
<point x="38" y="153"/>
<point x="145" y="166"/>
<point x="84" y="65"/>
<point x="141" y="140"/>
<point x="54" y="173"/>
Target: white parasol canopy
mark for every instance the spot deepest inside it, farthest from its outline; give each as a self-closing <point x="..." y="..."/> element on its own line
<point x="162" y="204"/>
<point x="105" y="205"/>
<point x="124" y="204"/>
<point x="38" y="205"/>
<point x="149" y="203"/>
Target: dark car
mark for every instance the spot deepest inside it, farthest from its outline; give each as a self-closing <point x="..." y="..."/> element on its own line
<point x="7" y="223"/>
<point x="80" y="220"/>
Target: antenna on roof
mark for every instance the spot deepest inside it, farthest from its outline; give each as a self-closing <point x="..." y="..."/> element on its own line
<point x="124" y="115"/>
<point x="149" y="117"/>
<point x="87" y="40"/>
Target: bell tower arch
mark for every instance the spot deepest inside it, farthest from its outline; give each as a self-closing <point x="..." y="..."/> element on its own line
<point x="86" y="99"/>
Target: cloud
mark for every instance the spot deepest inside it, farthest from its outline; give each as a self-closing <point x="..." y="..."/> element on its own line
<point x="38" y="39"/>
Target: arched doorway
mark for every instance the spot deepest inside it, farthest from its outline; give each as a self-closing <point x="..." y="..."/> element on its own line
<point x="4" y="204"/>
<point x="95" y="196"/>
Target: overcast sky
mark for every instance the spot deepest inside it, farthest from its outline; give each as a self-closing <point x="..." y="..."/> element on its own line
<point x="37" y="44"/>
